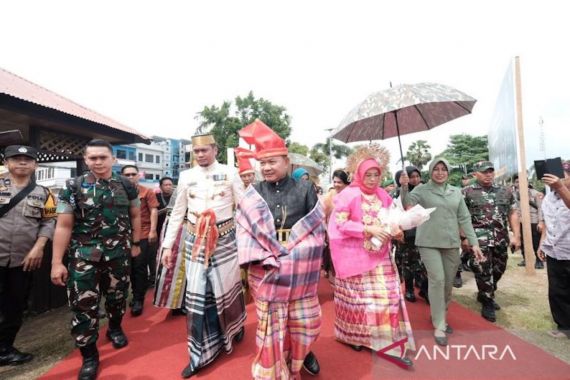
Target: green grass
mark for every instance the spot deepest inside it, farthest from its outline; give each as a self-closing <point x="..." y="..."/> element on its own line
<point x="525" y="310"/>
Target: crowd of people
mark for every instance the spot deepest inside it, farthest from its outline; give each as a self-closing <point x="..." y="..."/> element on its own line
<point x="223" y="232"/>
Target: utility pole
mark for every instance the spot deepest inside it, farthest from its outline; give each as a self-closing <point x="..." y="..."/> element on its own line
<point x="329" y="130"/>
<point x="542" y="144"/>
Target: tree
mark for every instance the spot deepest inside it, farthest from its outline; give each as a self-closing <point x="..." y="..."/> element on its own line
<point x="295" y="147"/>
<point x="418" y="154"/>
<point x="462" y="152"/>
<point x="225" y="121"/>
<point x="320" y="158"/>
<point x="320" y="153"/>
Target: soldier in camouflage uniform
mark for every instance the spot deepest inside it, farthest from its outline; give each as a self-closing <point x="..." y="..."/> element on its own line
<point x="408" y="260"/>
<point x="490" y="206"/>
<point x="99" y="214"/>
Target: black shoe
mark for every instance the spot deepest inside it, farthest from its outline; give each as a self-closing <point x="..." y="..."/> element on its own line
<point x="355" y="347"/>
<point x="90" y="365"/>
<point x="441" y="340"/>
<point x="117" y="337"/>
<point x="239" y="337"/>
<point x="410" y="296"/>
<point x="189" y="371"/>
<point x="403" y="362"/>
<point x="521" y="264"/>
<point x="136" y="308"/>
<point x="177" y="312"/>
<point x="12" y="356"/>
<point x="481" y="299"/>
<point x="311" y="364"/>
<point x="538" y="265"/>
<point x="488" y="311"/>
<point x="449" y="329"/>
<point x="424" y="295"/>
<point x="457" y="281"/>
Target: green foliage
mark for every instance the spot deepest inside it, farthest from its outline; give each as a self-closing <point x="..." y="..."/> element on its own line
<point x="226" y="120"/>
<point x="320" y="153"/>
<point x="418" y="154"/>
<point x="320" y="157"/>
<point x="464" y="150"/>
<point x="295" y="147"/>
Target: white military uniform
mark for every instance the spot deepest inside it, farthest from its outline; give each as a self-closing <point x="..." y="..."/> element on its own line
<point x="215" y="187"/>
<point x="214" y="299"/>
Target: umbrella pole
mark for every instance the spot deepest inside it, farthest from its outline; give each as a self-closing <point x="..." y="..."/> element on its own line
<point x="399" y="141"/>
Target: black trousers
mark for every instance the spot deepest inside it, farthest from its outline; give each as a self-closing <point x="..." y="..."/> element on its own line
<point x="13" y="297"/>
<point x="559" y="292"/>
<point x="140" y="268"/>
<point x="535" y="239"/>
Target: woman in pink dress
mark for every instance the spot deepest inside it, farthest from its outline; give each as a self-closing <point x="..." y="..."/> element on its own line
<point x="369" y="307"/>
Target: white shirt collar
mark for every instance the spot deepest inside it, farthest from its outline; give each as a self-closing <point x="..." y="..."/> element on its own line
<point x="210" y="168"/>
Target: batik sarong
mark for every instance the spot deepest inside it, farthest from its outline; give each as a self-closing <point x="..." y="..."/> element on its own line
<point x="214" y="299"/>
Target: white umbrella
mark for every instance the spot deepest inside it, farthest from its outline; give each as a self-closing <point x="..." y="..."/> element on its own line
<point x="298" y="160"/>
<point x="403" y="109"/>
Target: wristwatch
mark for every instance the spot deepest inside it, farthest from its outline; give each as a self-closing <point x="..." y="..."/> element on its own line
<point x="136" y="243"/>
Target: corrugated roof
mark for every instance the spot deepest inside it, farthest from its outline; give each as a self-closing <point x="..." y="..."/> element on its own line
<point x="18" y="87"/>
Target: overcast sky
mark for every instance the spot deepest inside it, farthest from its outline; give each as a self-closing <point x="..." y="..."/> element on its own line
<point x="154" y="65"/>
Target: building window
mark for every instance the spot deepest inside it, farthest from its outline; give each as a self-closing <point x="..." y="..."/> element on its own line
<point x="131" y="155"/>
<point x="121" y="153"/>
<point x="156" y="176"/>
<point x="140" y="157"/>
<point x="148" y="158"/>
<point x="157" y="159"/>
<point x="43" y="174"/>
<point x="149" y="176"/>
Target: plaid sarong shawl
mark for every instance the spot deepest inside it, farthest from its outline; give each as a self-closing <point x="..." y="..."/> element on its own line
<point x="278" y="273"/>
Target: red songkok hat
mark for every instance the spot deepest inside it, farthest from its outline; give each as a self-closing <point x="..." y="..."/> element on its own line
<point x="243" y="156"/>
<point x="267" y="142"/>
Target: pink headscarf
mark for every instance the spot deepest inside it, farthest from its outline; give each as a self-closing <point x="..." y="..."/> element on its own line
<point x="358" y="179"/>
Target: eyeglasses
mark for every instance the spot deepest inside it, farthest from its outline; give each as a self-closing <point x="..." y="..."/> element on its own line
<point x="131" y="174"/>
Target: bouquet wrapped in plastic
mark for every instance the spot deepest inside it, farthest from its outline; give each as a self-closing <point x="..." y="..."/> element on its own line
<point x="395" y="215"/>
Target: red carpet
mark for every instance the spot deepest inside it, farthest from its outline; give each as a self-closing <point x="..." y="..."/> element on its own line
<point x="478" y="350"/>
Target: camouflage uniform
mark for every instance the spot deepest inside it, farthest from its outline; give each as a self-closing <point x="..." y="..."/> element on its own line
<point x="99" y="251"/>
<point x="409" y="263"/>
<point x="407" y="256"/>
<point x="490" y="209"/>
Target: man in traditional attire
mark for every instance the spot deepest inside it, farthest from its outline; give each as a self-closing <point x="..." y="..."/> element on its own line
<point x="170" y="282"/>
<point x="214" y="297"/>
<point x="280" y="227"/>
<point x="246" y="171"/>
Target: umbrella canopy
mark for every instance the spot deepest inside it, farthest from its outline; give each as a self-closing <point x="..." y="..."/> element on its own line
<point x="298" y="160"/>
<point x="403" y="109"/>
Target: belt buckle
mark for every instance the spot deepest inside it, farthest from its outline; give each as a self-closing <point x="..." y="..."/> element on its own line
<point x="283" y="236"/>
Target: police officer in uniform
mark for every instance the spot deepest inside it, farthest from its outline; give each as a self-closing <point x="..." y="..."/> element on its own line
<point x="490" y="206"/>
<point x="99" y="214"/>
<point x="25" y="227"/>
